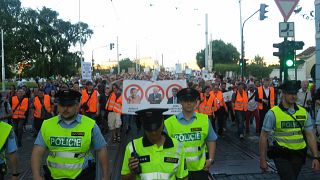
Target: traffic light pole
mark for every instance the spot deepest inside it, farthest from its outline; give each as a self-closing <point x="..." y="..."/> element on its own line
<point x="284" y="66"/>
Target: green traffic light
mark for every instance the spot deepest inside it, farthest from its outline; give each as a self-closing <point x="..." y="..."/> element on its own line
<point x="289" y="63"/>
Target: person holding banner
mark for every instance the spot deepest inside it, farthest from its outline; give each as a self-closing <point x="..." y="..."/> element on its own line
<point x="195" y="132"/>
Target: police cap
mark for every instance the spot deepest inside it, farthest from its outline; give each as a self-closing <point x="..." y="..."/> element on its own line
<point x="290" y="87"/>
<point x="151" y="118"/>
<point x="68" y="97"/>
<point x="188" y="94"/>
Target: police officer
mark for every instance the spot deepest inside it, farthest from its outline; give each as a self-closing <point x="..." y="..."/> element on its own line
<point x="155" y="155"/>
<point x="289" y="122"/>
<point x="69" y="138"/>
<point x="195" y="132"/>
<point x="8" y="144"/>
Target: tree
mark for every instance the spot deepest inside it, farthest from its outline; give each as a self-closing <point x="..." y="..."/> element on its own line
<point x="124" y="65"/>
<point x="200" y="59"/>
<point x="40" y="41"/>
<point x="222" y="53"/>
<point x="259" y="61"/>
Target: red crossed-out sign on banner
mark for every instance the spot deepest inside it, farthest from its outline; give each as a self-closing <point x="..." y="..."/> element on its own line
<point x="286" y="7"/>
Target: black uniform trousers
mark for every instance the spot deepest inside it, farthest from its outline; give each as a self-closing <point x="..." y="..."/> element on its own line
<point x="289" y="168"/>
<point x="197" y="175"/>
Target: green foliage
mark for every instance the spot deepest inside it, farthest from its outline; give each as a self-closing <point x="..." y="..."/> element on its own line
<point x="40" y="41"/>
<point x="222" y="53"/>
<point x="255" y="70"/>
<point x="259" y="61"/>
<point x="28" y="84"/>
<point x="258" y="71"/>
<point x="223" y="68"/>
<point x="124" y="65"/>
<point x="200" y="59"/>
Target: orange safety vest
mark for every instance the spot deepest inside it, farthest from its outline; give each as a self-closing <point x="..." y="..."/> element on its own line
<point x="38" y="106"/>
<point x="117" y="108"/>
<point x="241" y="102"/>
<point x="19" y="112"/>
<point x="92" y="103"/>
<point x="271" y="95"/>
<point x="205" y="106"/>
<point x="218" y="100"/>
<point x="111" y="101"/>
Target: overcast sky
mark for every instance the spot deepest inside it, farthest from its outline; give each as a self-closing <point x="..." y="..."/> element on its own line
<point x="176" y="28"/>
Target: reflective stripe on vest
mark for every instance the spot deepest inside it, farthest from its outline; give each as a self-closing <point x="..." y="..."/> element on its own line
<point x="5" y="131"/>
<point x="271" y="95"/>
<point x="21" y="110"/>
<point x="192" y="136"/>
<point x="195" y="158"/>
<point x="63" y="142"/>
<point x="117" y="108"/>
<point x="92" y="103"/>
<point x="287" y="132"/>
<point x="64" y="166"/>
<point x="38" y="105"/>
<point x="155" y="175"/>
<point x="241" y="102"/>
<point x="111" y="101"/>
<point x="67" y="154"/>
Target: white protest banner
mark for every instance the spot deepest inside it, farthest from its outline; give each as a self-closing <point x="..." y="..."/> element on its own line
<point x="86" y="70"/>
<point x="227" y="96"/>
<point x="139" y="94"/>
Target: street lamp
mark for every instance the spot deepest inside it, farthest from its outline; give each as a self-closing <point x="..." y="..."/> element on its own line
<point x="2" y="62"/>
<point x="263" y="11"/>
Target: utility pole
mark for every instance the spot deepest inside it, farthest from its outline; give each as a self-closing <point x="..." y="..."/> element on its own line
<point x="206" y="47"/>
<point x="317" y="65"/>
<point x="118" y="55"/>
<point x="262" y="11"/>
<point x="2" y="62"/>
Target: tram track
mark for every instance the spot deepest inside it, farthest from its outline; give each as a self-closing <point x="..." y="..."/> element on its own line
<point x="242" y="146"/>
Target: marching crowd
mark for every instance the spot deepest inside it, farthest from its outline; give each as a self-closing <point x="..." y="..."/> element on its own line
<point x="207" y="107"/>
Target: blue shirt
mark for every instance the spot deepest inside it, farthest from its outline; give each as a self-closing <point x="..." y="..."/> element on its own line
<point x="269" y="122"/>
<point x="212" y="136"/>
<point x="10" y="146"/>
<point x="97" y="139"/>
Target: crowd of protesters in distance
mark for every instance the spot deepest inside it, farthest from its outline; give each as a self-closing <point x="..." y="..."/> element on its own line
<point x="223" y="110"/>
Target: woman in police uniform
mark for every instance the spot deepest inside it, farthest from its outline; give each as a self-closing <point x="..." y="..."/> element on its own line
<point x="155" y="155"/>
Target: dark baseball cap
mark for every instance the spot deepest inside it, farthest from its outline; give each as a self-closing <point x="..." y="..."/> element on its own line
<point x="290" y="87"/>
<point x="68" y="97"/>
<point x="151" y="118"/>
<point x="188" y="94"/>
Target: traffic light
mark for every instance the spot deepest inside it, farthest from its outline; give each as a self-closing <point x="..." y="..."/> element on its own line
<point x="111" y="46"/>
<point x="298" y="45"/>
<point x="289" y="57"/>
<point x="263" y="11"/>
<point x="240" y="63"/>
<point x="280" y="46"/>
